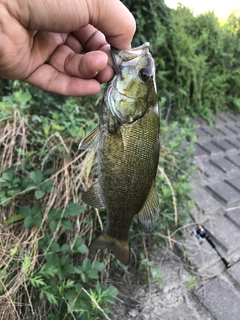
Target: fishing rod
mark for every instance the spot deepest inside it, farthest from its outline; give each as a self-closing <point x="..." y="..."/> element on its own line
<point x="201" y="234"/>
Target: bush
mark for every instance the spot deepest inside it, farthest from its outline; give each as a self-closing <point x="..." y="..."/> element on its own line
<point x="196" y="58"/>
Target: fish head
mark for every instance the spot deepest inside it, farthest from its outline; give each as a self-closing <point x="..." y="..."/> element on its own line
<point x="132" y="91"/>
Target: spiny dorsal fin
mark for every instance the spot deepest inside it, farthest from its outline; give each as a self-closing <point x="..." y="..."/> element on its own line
<point x="150" y="212"/>
<point x="90" y="141"/>
<point x="119" y="248"/>
<point x="92" y="196"/>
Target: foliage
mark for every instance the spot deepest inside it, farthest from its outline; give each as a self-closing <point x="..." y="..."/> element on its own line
<point x="175" y="169"/>
<point x="196" y="57"/>
<point x="46" y="270"/>
<point x="191" y="282"/>
<point x="152" y="273"/>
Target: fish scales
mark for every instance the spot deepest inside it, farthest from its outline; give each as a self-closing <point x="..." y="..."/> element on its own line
<point x="128" y="150"/>
<point x="131" y="167"/>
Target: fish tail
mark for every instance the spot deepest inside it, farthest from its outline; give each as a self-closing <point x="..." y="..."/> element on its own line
<point x="120" y="248"/>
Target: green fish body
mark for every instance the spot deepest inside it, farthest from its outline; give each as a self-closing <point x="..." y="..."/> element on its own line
<point x="128" y="145"/>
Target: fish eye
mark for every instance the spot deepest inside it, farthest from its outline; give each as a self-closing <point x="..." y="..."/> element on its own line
<point x="144" y="74"/>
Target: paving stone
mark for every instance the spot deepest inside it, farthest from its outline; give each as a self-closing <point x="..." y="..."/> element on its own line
<point x="234" y="182"/>
<point x="199" y="151"/>
<point x="234" y="272"/>
<point x="223" y="164"/>
<point x="205" y="201"/>
<point x="234" y="158"/>
<point x="207" y="168"/>
<point x="235" y="141"/>
<point x="211" y="147"/>
<point x="225" y="145"/>
<point x="224" y="232"/>
<point x="218" y="122"/>
<point x="233" y="127"/>
<point x="197" y="177"/>
<point x="225" y="193"/>
<point x="231" y="116"/>
<point x="226" y="131"/>
<point x="220" y="299"/>
<point x="201" y="134"/>
<point x="234" y="216"/>
<point x="226" y="118"/>
<point x="212" y="132"/>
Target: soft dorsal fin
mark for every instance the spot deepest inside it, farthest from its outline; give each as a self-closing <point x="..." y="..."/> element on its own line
<point x="92" y="196"/>
<point x="150" y="212"/>
<point x="90" y="141"/>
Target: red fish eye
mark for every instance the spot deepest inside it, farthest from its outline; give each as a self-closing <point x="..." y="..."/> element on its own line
<point x="144" y="74"/>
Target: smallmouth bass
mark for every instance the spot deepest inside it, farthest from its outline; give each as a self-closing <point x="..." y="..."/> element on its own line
<point x="127" y="140"/>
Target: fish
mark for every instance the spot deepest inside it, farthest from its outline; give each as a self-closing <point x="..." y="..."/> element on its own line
<point x="127" y="140"/>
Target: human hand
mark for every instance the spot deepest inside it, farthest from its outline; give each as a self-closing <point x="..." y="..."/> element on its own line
<point x="62" y="46"/>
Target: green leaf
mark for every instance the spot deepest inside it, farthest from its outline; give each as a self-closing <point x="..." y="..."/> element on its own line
<point x="8" y="176"/>
<point x="66" y="224"/>
<point x="55" y="247"/>
<point x="49" y="171"/>
<point x="5" y="201"/>
<point x="28" y="221"/>
<point x="65" y="247"/>
<point x="39" y="194"/>
<point x="36" y="176"/>
<point x="83" y="248"/>
<point x="22" y="97"/>
<point x="73" y="209"/>
<point x="86" y="264"/>
<point x="99" y="266"/>
<point x="53" y="225"/>
<point x="79" y="246"/>
<point x="84" y="277"/>
<point x="37" y="281"/>
<point x="48" y="185"/>
<point x="12" y="219"/>
<point x="25" y="211"/>
<point x="92" y="273"/>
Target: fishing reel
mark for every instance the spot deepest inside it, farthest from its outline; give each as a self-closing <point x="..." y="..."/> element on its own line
<point x="200" y="233"/>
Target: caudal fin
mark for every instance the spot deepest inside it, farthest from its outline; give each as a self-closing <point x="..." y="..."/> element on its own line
<point x="119" y="248"/>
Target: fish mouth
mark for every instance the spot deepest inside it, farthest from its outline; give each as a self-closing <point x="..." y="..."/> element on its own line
<point x="129" y="57"/>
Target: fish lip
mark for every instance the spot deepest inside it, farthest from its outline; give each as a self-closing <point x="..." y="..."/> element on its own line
<point x="126" y="56"/>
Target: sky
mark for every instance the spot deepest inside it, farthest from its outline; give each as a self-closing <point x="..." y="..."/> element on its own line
<point x="221" y="8"/>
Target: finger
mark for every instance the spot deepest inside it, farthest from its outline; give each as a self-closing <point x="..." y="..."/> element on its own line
<point x="93" y="40"/>
<point x="90" y="37"/>
<point x="48" y="78"/>
<point x="105" y="75"/>
<point x="73" y="43"/>
<point x="78" y="65"/>
<point x="110" y="17"/>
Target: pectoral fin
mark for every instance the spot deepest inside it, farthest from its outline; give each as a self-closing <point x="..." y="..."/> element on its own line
<point x="119" y="248"/>
<point x="150" y="212"/>
<point x="92" y="196"/>
<point x="90" y="141"/>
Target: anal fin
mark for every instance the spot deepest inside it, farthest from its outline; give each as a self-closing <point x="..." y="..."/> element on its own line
<point x="119" y="248"/>
<point x="90" y="141"/>
<point x="92" y="196"/>
<point x="150" y="212"/>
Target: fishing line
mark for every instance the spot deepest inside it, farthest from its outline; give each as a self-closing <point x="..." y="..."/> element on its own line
<point x="201" y="234"/>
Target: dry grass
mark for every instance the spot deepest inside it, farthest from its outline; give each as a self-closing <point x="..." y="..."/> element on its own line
<point x="73" y="174"/>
